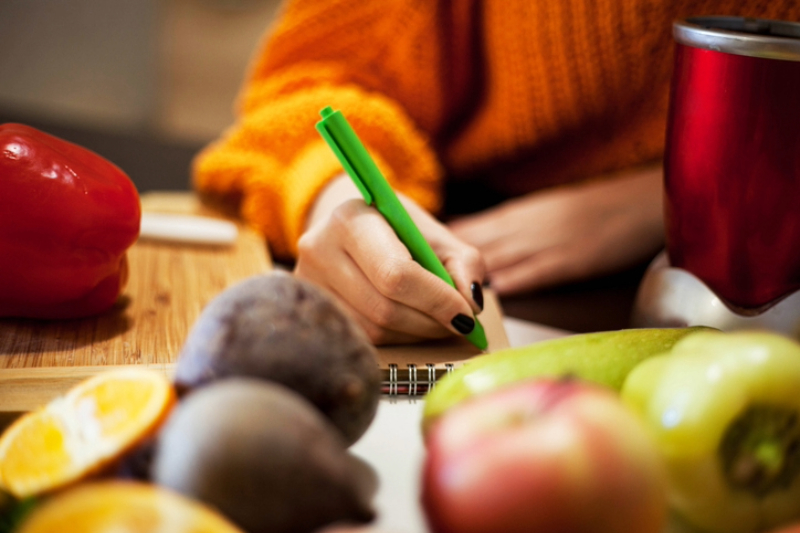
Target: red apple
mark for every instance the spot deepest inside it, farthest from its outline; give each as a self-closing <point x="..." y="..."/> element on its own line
<point x="543" y="456"/>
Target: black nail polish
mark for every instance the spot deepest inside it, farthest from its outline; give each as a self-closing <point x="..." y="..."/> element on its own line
<point x="477" y="294"/>
<point x="463" y="324"/>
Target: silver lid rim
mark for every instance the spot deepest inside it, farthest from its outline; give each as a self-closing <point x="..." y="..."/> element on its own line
<point x="769" y="39"/>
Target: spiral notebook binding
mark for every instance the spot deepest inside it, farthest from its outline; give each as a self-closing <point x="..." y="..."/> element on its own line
<point x="431" y="374"/>
<point x="392" y="383"/>
<point x="411" y="381"/>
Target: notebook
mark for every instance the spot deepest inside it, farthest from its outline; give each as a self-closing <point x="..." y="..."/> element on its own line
<point x="413" y="370"/>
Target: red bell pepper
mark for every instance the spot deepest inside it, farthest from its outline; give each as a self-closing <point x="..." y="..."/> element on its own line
<point x="67" y="217"/>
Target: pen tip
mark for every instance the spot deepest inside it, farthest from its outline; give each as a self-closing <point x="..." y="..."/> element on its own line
<point x="478" y="337"/>
<point x="325" y="113"/>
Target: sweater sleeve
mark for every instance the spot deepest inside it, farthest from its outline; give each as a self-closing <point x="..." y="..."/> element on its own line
<point x="378" y="62"/>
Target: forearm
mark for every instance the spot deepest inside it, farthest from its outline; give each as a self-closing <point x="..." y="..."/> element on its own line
<point x="645" y="184"/>
<point x="636" y="196"/>
<point x="569" y="233"/>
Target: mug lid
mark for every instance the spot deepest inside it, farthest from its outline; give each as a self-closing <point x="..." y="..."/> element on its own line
<point x="770" y="39"/>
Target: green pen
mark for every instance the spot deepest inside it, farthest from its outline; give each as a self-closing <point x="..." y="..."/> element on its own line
<point x="376" y="191"/>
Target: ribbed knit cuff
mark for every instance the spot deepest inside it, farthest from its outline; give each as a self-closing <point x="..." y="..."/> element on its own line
<point x="278" y="163"/>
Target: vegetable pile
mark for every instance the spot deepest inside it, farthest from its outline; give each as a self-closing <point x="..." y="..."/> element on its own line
<point x="720" y="412"/>
<point x="253" y="444"/>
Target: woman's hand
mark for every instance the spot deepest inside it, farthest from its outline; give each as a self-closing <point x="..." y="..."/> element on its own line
<point x="349" y="249"/>
<point x="569" y="233"/>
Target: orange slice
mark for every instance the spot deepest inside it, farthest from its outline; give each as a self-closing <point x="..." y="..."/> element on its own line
<point x="73" y="436"/>
<point x="127" y="507"/>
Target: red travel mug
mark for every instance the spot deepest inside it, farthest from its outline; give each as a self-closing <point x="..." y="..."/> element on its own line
<point x="732" y="159"/>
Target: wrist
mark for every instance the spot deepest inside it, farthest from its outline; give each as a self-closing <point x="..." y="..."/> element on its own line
<point x="337" y="191"/>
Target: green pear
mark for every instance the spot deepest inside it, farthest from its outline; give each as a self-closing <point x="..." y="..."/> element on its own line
<point x="604" y="357"/>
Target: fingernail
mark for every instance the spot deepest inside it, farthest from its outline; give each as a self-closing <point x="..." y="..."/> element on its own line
<point x="463" y="324"/>
<point x="477" y="294"/>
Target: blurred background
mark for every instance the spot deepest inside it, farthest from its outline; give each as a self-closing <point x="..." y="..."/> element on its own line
<point x="145" y="83"/>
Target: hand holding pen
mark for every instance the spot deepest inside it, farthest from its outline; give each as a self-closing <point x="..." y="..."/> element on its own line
<point x="352" y="250"/>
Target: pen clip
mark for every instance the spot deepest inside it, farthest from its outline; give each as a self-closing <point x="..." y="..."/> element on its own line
<point x="341" y="154"/>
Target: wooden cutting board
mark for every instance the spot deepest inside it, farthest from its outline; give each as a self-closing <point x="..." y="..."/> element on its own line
<point x="169" y="285"/>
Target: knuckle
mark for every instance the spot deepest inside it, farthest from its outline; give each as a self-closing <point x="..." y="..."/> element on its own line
<point x="446" y="306"/>
<point x="309" y="251"/>
<point x="382" y="312"/>
<point x="343" y="215"/>
<point x="445" y="311"/>
<point x="339" y="221"/>
<point x="474" y="259"/>
<point x="391" y="277"/>
<point x="306" y="244"/>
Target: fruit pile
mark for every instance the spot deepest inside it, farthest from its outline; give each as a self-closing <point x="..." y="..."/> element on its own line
<point x="633" y="431"/>
<point x="644" y="431"/>
<point x="273" y="384"/>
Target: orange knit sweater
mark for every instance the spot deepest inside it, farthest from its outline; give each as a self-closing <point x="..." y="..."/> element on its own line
<point x="522" y="93"/>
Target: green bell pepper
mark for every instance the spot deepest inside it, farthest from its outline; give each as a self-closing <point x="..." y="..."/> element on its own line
<point x="724" y="408"/>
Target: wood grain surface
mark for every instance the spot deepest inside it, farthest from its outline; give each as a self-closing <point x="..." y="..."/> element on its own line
<point x="169" y="285"/>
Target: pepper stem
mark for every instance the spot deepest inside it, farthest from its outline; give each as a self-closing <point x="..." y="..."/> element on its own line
<point x="769" y="455"/>
<point x="760" y="450"/>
